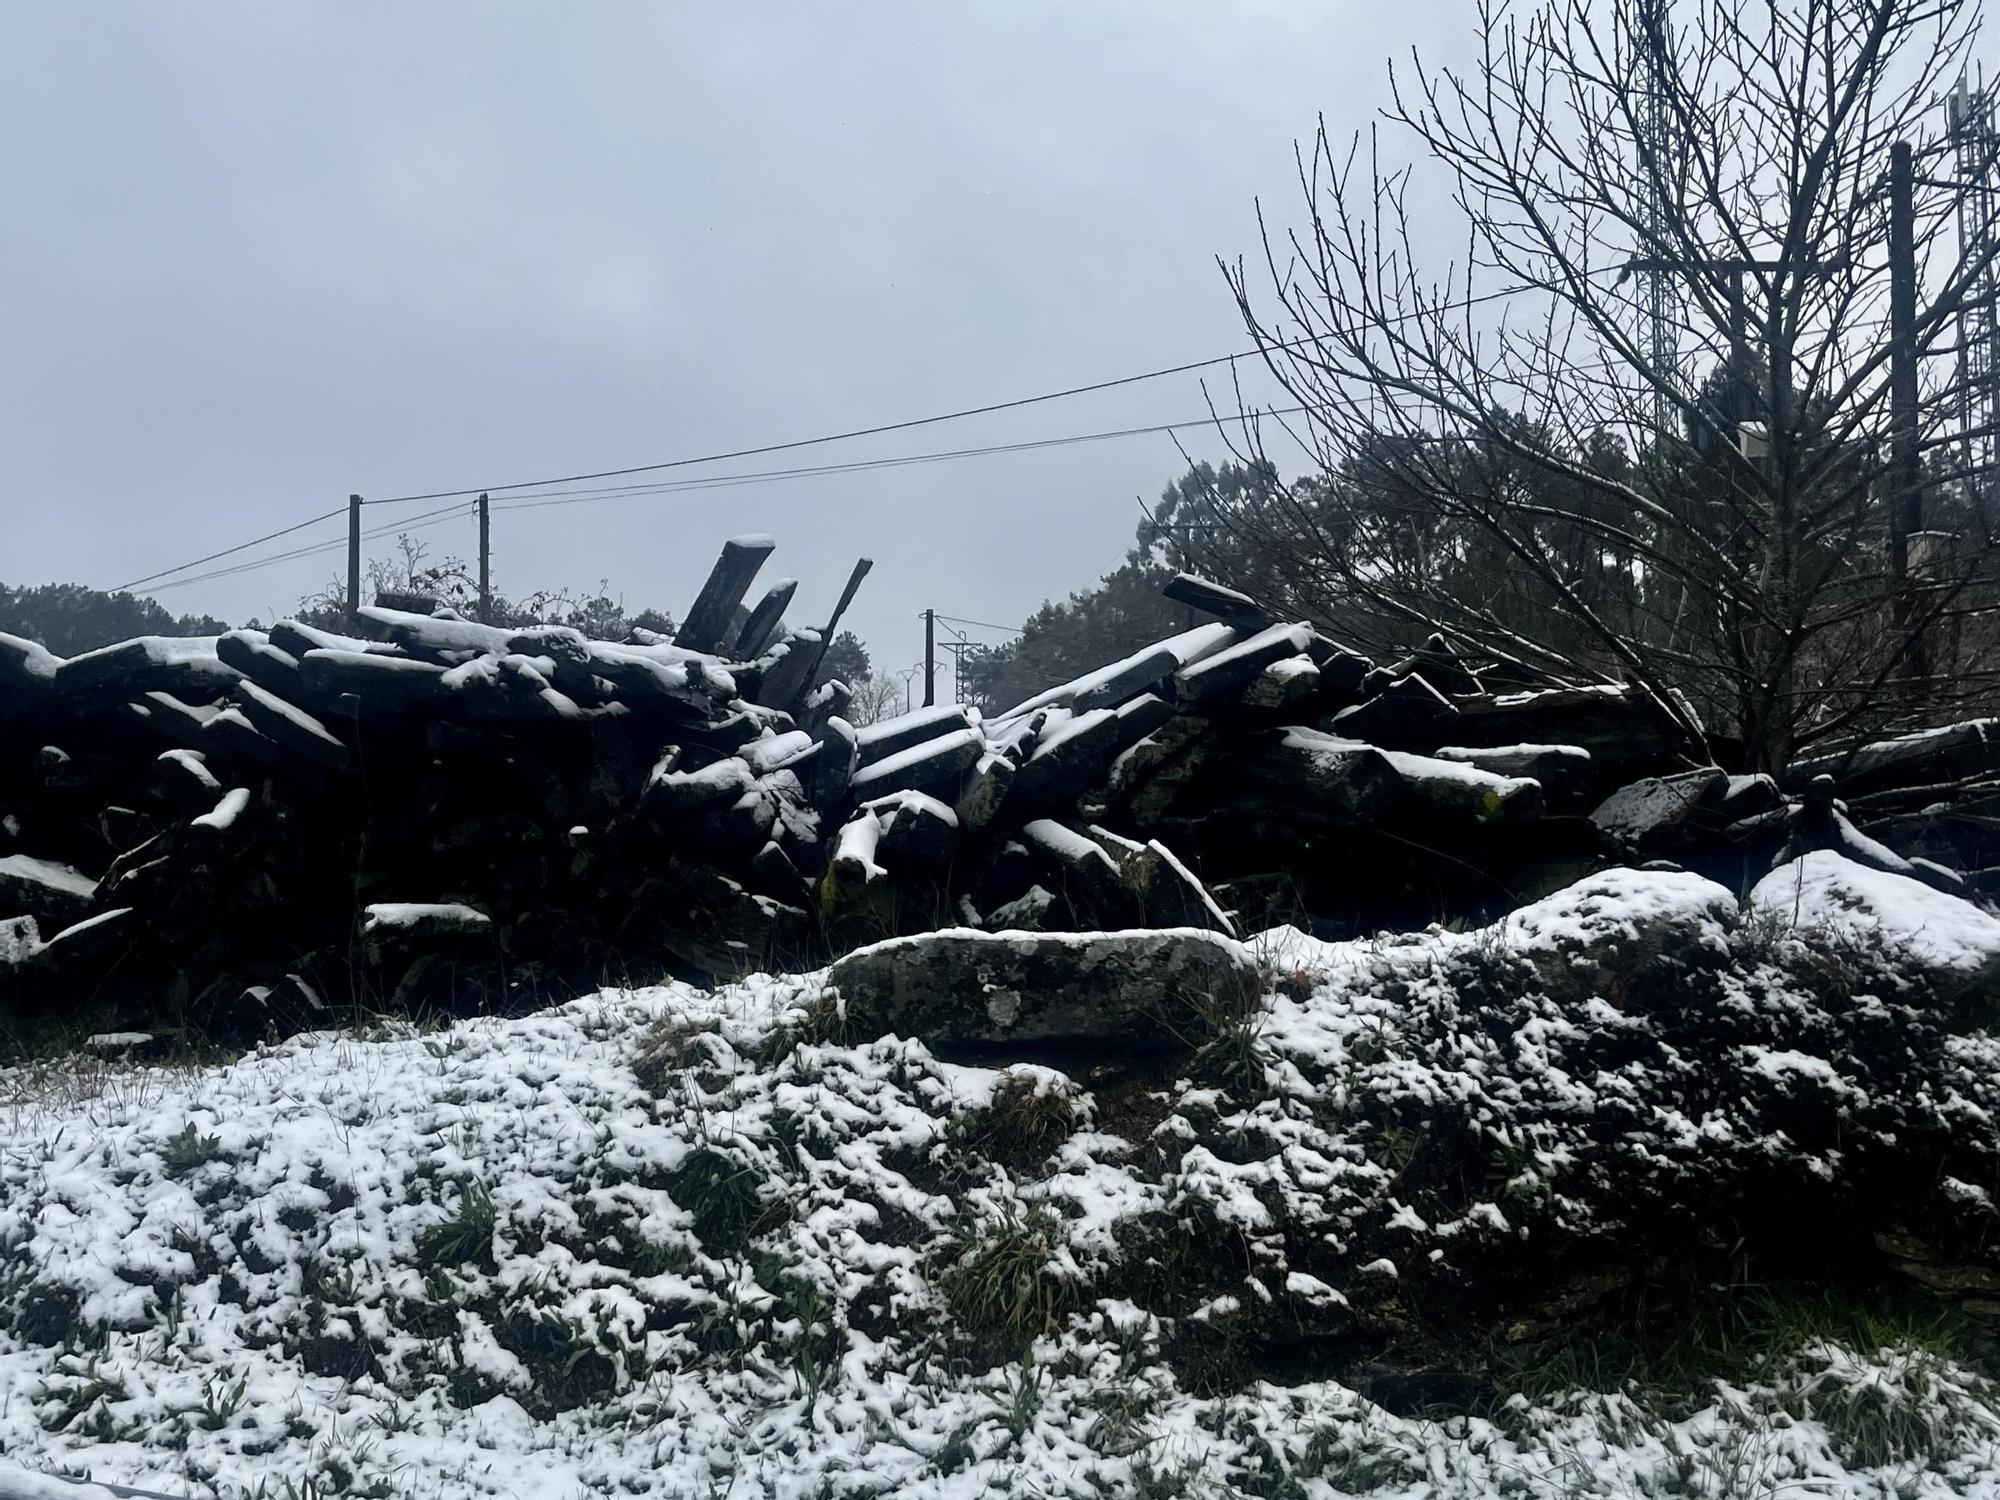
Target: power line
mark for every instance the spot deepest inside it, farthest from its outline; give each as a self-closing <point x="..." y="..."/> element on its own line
<point x="981" y="624"/>
<point x="228" y="551"/>
<point x="717" y="482"/>
<point x="949" y="416"/>
<point x="316" y="549"/>
<point x="859" y="432"/>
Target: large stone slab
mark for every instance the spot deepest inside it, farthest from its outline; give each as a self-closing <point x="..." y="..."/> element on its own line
<point x="1116" y="992"/>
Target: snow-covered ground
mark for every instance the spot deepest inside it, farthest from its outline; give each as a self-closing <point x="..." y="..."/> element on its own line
<point x="673" y="1242"/>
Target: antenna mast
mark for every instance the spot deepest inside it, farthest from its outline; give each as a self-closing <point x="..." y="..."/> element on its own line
<point x="1969" y="125"/>
<point x="1659" y="299"/>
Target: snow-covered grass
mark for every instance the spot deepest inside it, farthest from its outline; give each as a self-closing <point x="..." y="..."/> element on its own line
<point x="673" y="1242"/>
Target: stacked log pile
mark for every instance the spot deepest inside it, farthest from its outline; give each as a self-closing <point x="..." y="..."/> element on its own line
<point x="251" y="831"/>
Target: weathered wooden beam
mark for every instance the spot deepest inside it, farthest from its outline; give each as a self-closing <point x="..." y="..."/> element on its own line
<point x="1212" y="598"/>
<point x="765" y="618"/>
<point x="728" y="581"/>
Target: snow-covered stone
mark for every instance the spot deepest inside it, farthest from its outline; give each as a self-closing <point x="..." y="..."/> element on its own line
<point x="1826" y="891"/>
<point x="1001" y="991"/>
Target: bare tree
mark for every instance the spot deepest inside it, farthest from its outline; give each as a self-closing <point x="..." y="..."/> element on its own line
<point x="875" y="699"/>
<point x="1502" y="456"/>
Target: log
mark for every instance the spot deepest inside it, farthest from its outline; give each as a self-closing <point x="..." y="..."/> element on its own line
<point x="762" y="626"/>
<point x="374" y="680"/>
<point x="893" y="736"/>
<point x="1143" y="671"/>
<point x="1071" y="758"/>
<point x="789" y="676"/>
<point x="1231" y="670"/>
<point x="185" y="666"/>
<point x="728" y="581"/>
<point x="934" y="766"/>
<point x="251" y="653"/>
<point x="1239" y="610"/>
<point x="293" y="729"/>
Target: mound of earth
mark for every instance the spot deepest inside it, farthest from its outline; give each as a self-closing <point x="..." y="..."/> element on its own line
<point x="1350" y="1239"/>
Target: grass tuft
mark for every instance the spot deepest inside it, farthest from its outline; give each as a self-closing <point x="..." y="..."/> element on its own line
<point x="466" y="1238"/>
<point x="1001" y="1284"/>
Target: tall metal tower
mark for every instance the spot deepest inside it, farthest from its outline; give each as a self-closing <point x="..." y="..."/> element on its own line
<point x="1969" y="123"/>
<point x="1659" y="299"/>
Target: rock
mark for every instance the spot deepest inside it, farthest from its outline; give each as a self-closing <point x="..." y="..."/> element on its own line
<point x="1029" y="912"/>
<point x="53" y="893"/>
<point x="1321" y="778"/>
<point x="1826" y="893"/>
<point x="916" y="829"/>
<point x="292" y="729"/>
<point x="985" y="792"/>
<point x="392" y="929"/>
<point x="1662" y="814"/>
<point x="711" y="926"/>
<point x="1436" y="661"/>
<point x="1454" y="790"/>
<point x="1627" y="734"/>
<point x="186" y="666"/>
<point x="1602" y="934"/>
<point x="27" y="670"/>
<point x="1403" y="712"/>
<point x="1001" y="993"/>
<point x="1565" y="771"/>
<point x="1930" y="757"/>
<point x="1283" y="683"/>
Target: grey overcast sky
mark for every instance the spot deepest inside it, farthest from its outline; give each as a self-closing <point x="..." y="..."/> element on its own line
<point x="256" y="257"/>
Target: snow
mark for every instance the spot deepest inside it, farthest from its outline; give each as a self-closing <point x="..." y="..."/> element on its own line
<point x="266" y="1222"/>
<point x="1298" y="637"/>
<point x="1823" y="890"/>
<point x="46" y="873"/>
<point x="1169" y="656"/>
<point x="892" y="768"/>
<point x="917" y="725"/>
<point x="774" y="752"/>
<point x="224" y="814"/>
<point x="29" y="659"/>
<point x="438" y="916"/>
<point x="196" y="763"/>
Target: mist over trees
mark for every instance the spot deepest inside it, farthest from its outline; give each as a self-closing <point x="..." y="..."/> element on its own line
<point x="70" y="618"/>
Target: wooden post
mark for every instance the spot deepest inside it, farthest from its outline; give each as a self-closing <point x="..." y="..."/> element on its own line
<point x="485" y="562"/>
<point x="930" y="657"/>
<point x="353" y="555"/>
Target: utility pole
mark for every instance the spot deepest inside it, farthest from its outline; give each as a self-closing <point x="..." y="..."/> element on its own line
<point x="1906" y="498"/>
<point x="485" y="562"/>
<point x="353" y="556"/>
<point x="930" y="657"/>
